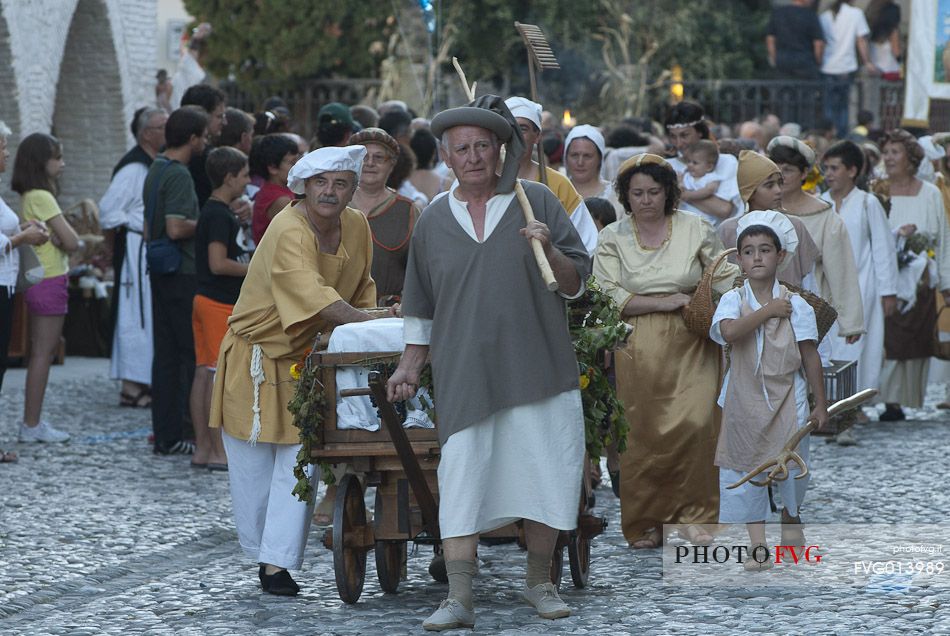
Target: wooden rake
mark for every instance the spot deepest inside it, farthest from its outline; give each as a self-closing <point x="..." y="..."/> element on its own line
<point x="778" y="465"/>
<point x="540" y="58"/>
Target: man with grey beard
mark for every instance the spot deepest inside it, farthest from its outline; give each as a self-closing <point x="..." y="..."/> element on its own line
<point x="310" y="273"/>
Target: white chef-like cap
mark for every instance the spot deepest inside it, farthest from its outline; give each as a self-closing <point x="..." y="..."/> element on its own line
<point x="330" y="159"/>
<point x="521" y="107"/>
<point x="777" y="222"/>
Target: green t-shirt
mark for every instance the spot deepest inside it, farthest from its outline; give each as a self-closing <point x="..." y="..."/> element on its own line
<point x="175" y="198"/>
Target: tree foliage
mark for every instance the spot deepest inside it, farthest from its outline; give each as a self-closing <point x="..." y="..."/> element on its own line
<point x="286" y="40"/>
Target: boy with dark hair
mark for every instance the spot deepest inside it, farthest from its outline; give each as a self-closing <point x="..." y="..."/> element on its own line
<point x="221" y="265"/>
<point x="271" y="160"/>
<point x="171" y="213"/>
<point x="774" y="338"/>
<point x="875" y="255"/>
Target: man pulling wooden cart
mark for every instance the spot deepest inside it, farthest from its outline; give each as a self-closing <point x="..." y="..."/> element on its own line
<point x="505" y="373"/>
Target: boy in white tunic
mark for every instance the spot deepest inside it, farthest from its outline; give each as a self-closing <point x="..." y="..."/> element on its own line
<point x="764" y="398"/>
<point x="875" y="255"/>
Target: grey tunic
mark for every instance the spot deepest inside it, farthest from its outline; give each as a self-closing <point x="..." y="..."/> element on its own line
<point x="499" y="338"/>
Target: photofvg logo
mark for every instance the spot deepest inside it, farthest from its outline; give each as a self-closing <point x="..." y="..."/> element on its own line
<point x="918" y="548"/>
<point x="761" y="554"/>
<point x="875" y="557"/>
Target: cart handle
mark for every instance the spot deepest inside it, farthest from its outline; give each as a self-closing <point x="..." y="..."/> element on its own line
<point x="364" y="392"/>
<point x="410" y="463"/>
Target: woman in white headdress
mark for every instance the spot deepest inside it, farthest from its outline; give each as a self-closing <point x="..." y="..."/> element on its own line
<point x="584" y="151"/>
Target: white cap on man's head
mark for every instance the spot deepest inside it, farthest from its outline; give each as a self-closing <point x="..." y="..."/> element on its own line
<point x="521" y="107"/>
<point x="329" y="159"/>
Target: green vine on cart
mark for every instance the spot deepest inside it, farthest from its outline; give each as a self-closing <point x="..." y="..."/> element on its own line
<point x="308" y="407"/>
<point x="596" y="327"/>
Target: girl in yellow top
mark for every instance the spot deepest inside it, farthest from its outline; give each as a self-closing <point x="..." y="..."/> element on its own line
<point x="38" y="164"/>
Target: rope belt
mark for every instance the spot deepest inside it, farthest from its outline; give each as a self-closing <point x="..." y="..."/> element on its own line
<point x="257" y="378"/>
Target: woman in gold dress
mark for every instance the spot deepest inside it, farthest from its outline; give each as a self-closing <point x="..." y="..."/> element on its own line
<point x="668" y="378"/>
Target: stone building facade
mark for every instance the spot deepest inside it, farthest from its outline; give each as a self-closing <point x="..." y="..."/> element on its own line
<point x="77" y="69"/>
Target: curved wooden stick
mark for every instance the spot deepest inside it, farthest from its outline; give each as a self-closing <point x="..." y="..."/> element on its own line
<point x="779" y="463"/>
<point x="469" y="90"/>
<point x="546" y="273"/>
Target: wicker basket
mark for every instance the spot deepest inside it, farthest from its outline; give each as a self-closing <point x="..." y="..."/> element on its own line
<point x="698" y="314"/>
<point x="84" y="219"/>
<point x="825" y="314"/>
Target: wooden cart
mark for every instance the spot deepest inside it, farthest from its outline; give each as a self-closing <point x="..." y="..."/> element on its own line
<point x="401" y="464"/>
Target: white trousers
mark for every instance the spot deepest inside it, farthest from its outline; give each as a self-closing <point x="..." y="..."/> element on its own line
<point x="750" y="503"/>
<point x="272" y="524"/>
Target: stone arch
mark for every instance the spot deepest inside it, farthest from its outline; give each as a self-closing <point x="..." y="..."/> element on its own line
<point x="9" y="104"/>
<point x="88" y="116"/>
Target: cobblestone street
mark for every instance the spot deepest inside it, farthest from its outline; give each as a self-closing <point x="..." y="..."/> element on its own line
<point x="98" y="536"/>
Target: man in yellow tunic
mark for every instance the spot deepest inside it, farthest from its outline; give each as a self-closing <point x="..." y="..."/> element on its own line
<point x="310" y="272"/>
<point x="528" y="115"/>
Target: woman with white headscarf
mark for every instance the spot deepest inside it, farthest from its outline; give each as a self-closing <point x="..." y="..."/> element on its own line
<point x="584" y="151"/>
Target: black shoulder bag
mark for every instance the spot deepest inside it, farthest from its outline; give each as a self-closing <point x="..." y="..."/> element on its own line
<point x="163" y="256"/>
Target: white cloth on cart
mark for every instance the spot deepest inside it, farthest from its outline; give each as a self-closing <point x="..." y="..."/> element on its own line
<point x="384" y="334"/>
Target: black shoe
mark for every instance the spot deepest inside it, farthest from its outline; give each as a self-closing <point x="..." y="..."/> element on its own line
<point x="892" y="414"/>
<point x="279" y="583"/>
<point x="178" y="448"/>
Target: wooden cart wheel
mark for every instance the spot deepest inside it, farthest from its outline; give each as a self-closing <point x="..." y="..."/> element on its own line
<point x="578" y="548"/>
<point x="390" y="559"/>
<point x="390" y="555"/>
<point x="557" y="566"/>
<point x="349" y="525"/>
<point x="578" y="554"/>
